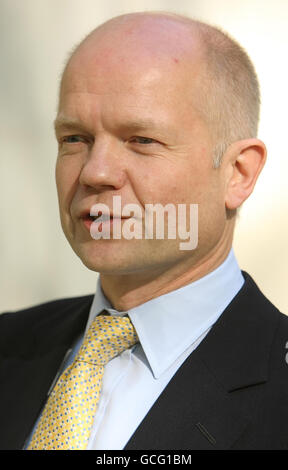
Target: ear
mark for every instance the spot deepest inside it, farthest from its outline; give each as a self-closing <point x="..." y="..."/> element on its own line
<point x="244" y="161"/>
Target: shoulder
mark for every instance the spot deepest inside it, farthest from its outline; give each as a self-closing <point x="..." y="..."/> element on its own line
<point x="260" y="309"/>
<point x="43" y="321"/>
<point x="258" y="313"/>
<point x="247" y="344"/>
<point x="54" y="308"/>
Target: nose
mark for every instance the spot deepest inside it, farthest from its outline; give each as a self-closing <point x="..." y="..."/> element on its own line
<point x="104" y="167"/>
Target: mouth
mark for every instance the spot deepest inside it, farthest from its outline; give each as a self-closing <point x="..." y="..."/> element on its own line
<point x="103" y="219"/>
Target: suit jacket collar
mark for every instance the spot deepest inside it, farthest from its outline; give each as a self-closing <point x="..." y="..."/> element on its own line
<point x="238" y="347"/>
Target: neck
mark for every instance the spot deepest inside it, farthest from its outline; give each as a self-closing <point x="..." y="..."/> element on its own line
<point x="127" y="291"/>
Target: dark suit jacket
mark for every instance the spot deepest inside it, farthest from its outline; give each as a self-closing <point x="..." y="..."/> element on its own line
<point x="230" y="393"/>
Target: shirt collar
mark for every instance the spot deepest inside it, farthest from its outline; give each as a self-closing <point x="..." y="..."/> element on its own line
<point x="169" y="324"/>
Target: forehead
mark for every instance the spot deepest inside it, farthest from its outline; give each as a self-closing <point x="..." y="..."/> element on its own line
<point x="145" y="97"/>
<point x="126" y="71"/>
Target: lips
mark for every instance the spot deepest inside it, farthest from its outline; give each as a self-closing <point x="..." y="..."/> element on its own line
<point x="104" y="218"/>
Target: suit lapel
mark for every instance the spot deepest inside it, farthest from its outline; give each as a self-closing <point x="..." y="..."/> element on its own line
<point x="211" y="398"/>
<point x="194" y="412"/>
<point x="25" y="389"/>
<point x="27" y="369"/>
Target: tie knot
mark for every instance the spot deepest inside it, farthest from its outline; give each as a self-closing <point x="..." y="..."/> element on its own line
<point x="107" y="337"/>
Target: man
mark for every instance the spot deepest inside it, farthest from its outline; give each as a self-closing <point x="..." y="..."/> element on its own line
<point x="154" y="108"/>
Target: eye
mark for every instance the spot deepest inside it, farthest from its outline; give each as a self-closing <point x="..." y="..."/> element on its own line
<point x="72" y="139"/>
<point x="143" y="140"/>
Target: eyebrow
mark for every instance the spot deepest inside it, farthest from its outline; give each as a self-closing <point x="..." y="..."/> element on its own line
<point x="140" y="124"/>
<point x="67" y="123"/>
<point x="133" y="124"/>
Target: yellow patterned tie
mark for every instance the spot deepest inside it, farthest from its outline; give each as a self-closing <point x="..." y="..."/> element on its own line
<point x="68" y="416"/>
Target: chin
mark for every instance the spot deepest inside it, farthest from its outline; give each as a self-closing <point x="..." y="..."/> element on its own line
<point x="111" y="267"/>
<point x="104" y="257"/>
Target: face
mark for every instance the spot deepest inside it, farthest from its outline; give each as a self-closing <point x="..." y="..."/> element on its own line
<point x="128" y="127"/>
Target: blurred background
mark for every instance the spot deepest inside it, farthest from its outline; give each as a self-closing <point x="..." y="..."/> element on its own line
<point x="37" y="264"/>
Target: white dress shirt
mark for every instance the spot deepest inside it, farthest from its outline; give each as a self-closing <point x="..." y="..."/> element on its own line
<point x="169" y="328"/>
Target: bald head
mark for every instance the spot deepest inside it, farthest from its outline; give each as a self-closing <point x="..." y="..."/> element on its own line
<point x="155" y="35"/>
<point x="140" y="41"/>
<point x="224" y="86"/>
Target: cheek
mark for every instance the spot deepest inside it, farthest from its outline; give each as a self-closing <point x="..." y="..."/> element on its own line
<point x="67" y="175"/>
<point x="158" y="184"/>
<point x="212" y="213"/>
